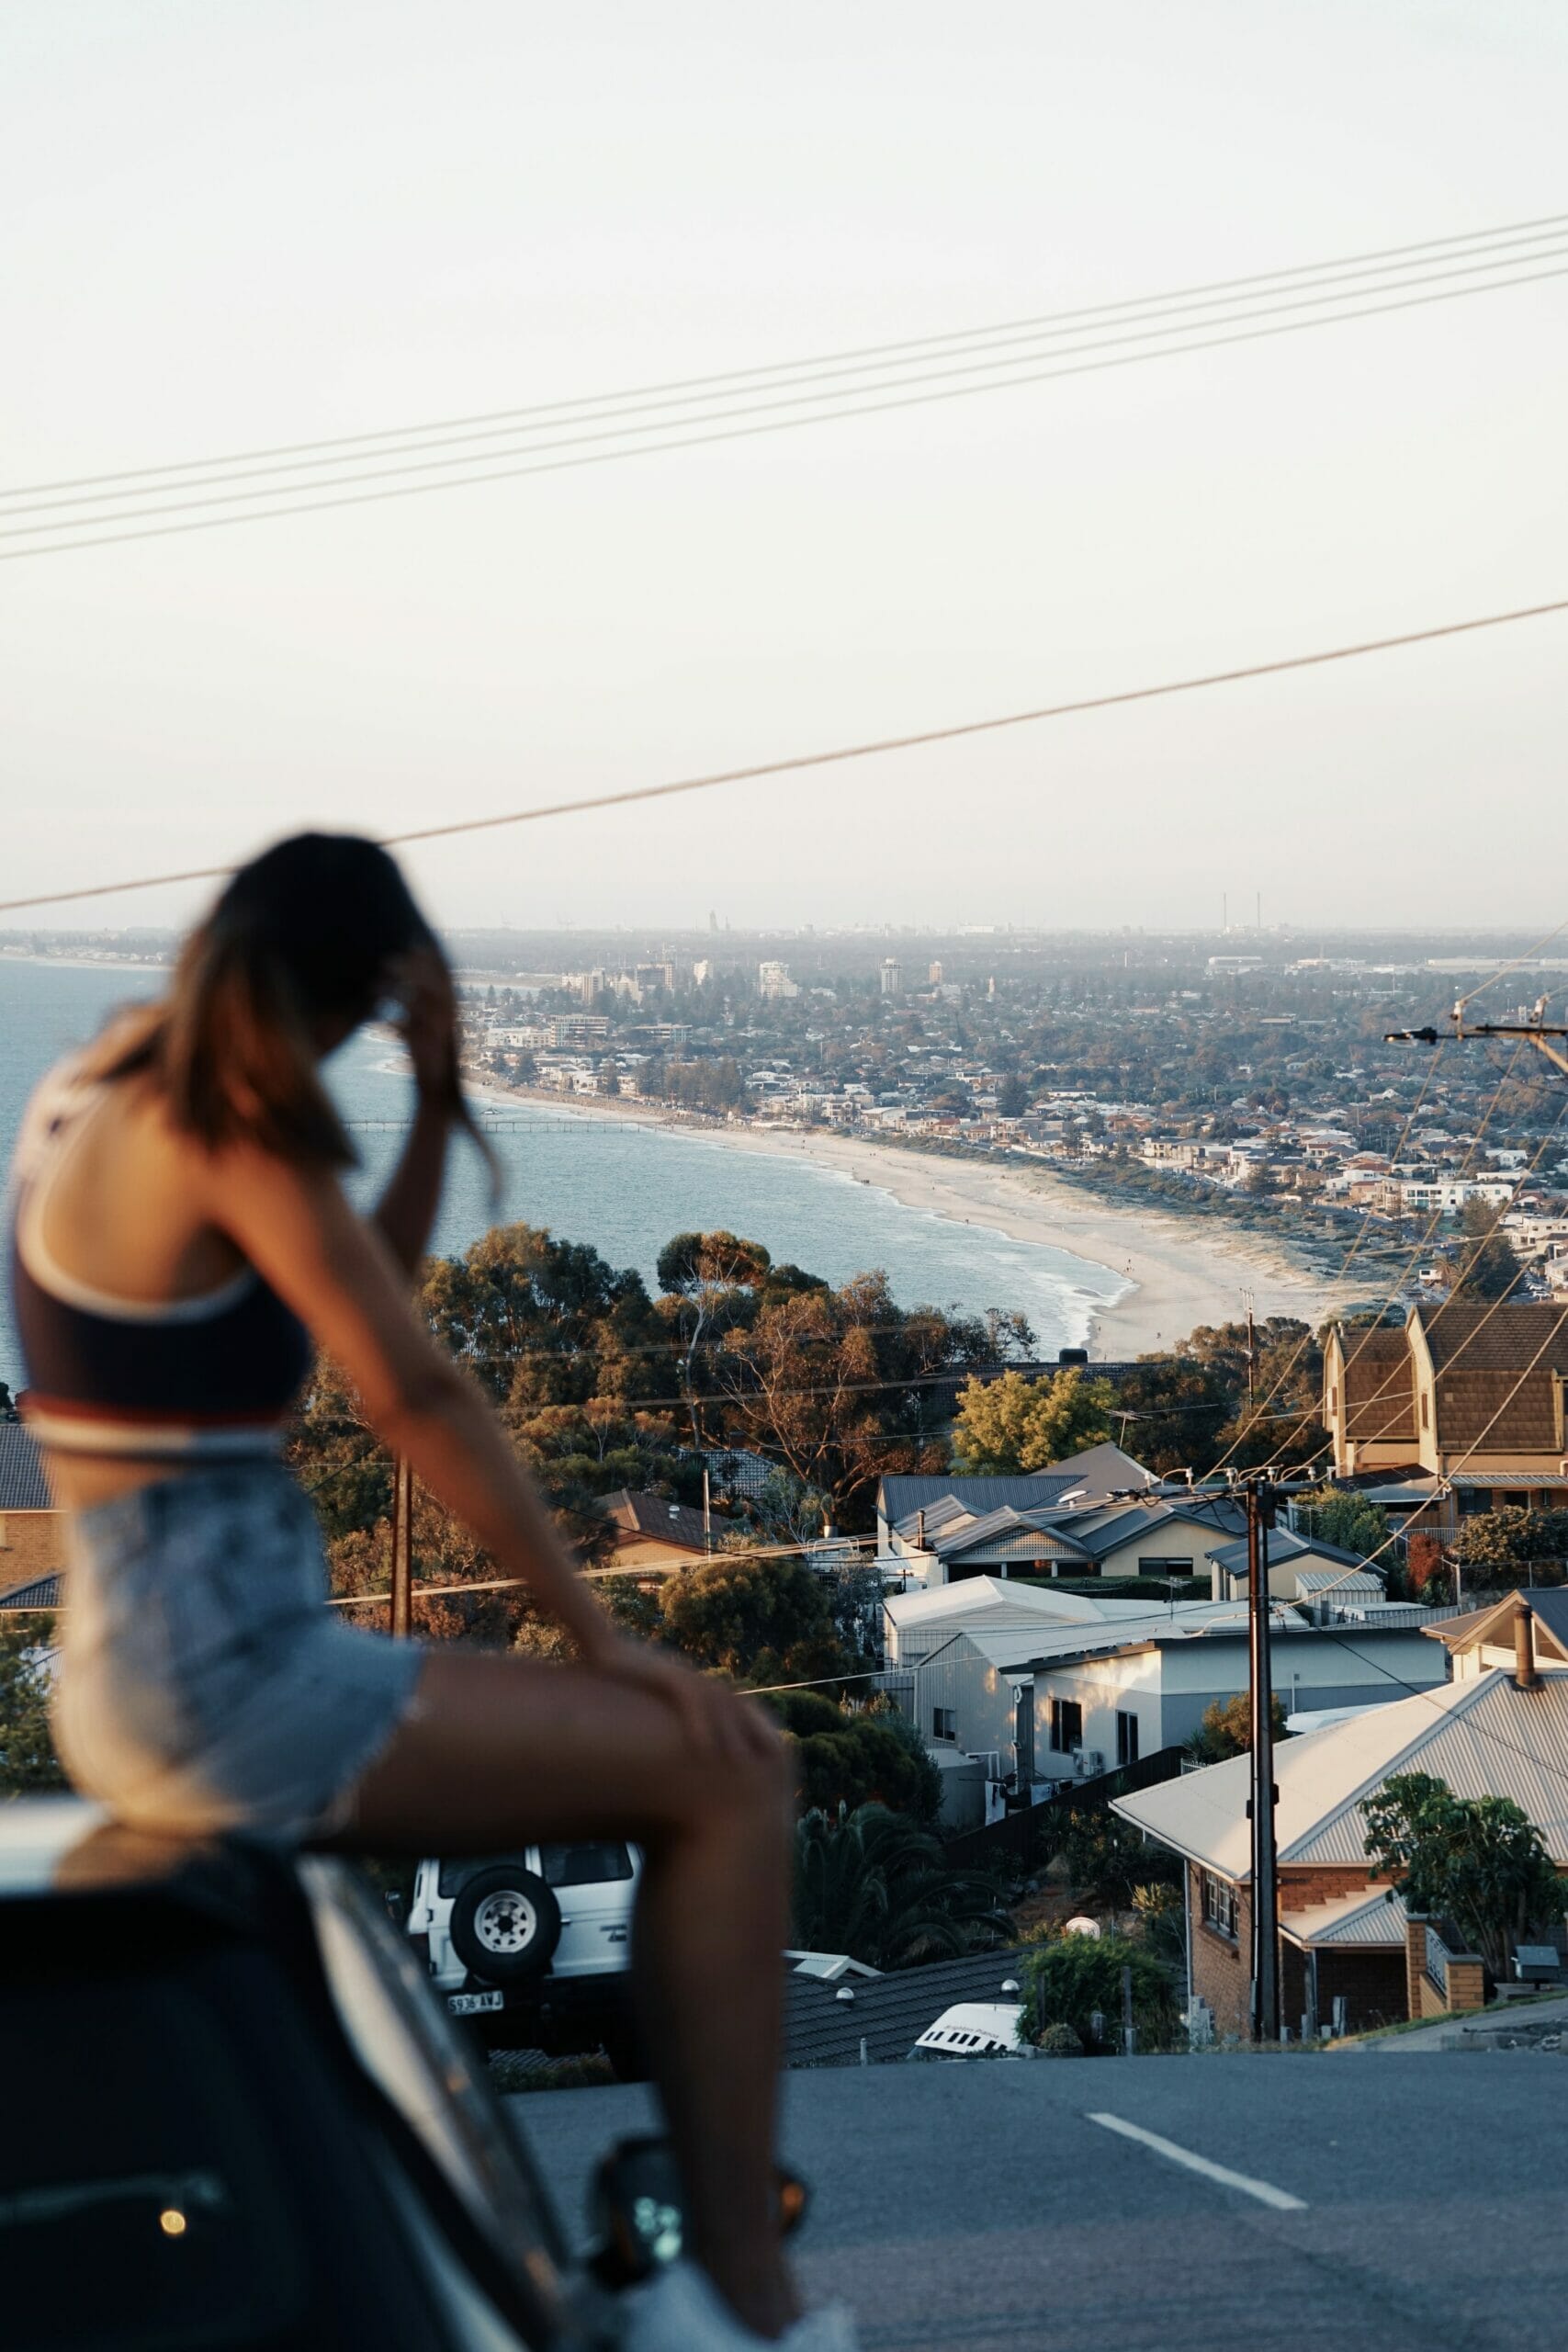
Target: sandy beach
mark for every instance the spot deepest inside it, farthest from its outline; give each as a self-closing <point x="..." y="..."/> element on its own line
<point x="1178" y="1273"/>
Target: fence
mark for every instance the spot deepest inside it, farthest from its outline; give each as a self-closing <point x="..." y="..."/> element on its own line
<point x="1027" y="1836"/>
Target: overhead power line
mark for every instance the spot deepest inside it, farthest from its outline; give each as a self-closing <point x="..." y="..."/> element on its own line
<point x="802" y="761"/>
<point x="690" y="430"/>
<point x="1488" y="245"/>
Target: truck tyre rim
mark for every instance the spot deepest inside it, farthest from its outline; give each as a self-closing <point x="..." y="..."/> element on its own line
<point x="505" y="1922"/>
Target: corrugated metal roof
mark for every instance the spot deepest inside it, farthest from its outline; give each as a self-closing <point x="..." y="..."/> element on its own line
<point x="1483" y="1737"/>
<point x="1371" y="1919"/>
<point x="891" y="2012"/>
<point x="23" y="1486"/>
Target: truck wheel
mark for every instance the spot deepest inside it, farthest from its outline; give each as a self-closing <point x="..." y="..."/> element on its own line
<point x="505" y="1924"/>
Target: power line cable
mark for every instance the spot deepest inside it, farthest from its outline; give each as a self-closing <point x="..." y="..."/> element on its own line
<point x="877" y="376"/>
<point x="1422" y="1245"/>
<point x="802" y="761"/>
<point x="404" y="489"/>
<point x="1457" y="247"/>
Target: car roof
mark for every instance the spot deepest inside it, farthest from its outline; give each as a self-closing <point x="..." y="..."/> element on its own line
<point x="61" y="1849"/>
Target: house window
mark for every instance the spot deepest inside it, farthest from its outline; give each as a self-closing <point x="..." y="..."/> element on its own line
<point x="1178" y="1565"/>
<point x="1066" y="1727"/>
<point x="1126" y="1738"/>
<point x="1426" y="1409"/>
<point x="1219" y="1906"/>
<point x="945" y="1722"/>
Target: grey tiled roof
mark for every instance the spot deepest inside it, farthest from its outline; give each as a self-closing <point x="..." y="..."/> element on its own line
<point x="43" y="1592"/>
<point x="652" y="1517"/>
<point x="22" y="1483"/>
<point x="897" y="1498"/>
<point x="891" y="2011"/>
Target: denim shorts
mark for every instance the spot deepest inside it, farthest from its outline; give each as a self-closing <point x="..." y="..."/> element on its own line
<point x="204" y="1683"/>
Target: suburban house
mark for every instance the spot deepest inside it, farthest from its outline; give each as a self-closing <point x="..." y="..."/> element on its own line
<point x="1301" y="1568"/>
<point x="32" y="1542"/>
<point x="650" y="1531"/>
<point x="1342" y="1937"/>
<point x="942" y="1531"/>
<point x="1519" y="1627"/>
<point x="1011" y="1684"/>
<point x="1470" y="1394"/>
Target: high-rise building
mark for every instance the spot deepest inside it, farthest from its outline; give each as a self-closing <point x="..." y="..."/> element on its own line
<point x="773" y="980"/>
<point x="892" y="976"/>
<point x="933" y="976"/>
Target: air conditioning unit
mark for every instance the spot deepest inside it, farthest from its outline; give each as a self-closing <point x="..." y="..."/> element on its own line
<point x="1088" y="1763"/>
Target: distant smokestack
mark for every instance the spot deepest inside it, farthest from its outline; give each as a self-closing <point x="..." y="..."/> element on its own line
<point x="1524" y="1676"/>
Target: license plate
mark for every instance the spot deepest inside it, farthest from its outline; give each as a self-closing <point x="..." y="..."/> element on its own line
<point x="469" y="2005"/>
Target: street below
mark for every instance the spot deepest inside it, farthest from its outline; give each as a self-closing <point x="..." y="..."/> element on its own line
<point x="981" y="2206"/>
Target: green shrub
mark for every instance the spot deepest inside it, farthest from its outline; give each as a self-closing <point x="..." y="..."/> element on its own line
<point x="1071" y="1977"/>
<point x="1060" y="2041"/>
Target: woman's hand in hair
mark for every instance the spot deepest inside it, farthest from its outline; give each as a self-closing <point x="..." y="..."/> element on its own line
<point x="719" y="1723"/>
<point x="429" y="1023"/>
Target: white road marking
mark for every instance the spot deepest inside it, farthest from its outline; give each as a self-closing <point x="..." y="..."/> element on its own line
<point x="1264" y="2190"/>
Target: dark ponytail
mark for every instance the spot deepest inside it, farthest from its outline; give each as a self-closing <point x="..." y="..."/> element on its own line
<point x="306" y="935"/>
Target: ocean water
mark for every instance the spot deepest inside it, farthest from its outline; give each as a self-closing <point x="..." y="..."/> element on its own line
<point x="624" y="1188"/>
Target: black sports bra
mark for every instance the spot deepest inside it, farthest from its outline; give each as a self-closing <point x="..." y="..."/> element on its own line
<point x="211" y="1377"/>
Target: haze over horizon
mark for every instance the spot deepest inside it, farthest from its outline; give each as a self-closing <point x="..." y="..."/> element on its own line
<point x="232" y="230"/>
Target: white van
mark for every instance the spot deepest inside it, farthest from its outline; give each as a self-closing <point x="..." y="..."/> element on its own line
<point x="546" y="1929"/>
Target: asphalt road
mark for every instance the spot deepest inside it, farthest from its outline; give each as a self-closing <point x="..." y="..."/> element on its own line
<point x="978" y="2208"/>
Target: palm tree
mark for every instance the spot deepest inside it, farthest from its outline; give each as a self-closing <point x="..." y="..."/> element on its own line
<point x="871" y="1883"/>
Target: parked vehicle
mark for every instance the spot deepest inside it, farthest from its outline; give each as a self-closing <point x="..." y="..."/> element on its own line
<point x="235" y="2115"/>
<point x="541" y="1937"/>
<point x="976" y="2029"/>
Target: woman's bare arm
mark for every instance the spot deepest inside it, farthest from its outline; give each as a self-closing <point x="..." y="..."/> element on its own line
<point x="429" y="1031"/>
<point x="300" y="1232"/>
<point x="339" y="1275"/>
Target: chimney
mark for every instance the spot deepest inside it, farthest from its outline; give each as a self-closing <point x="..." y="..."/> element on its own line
<point x="1524" y="1676"/>
<point x="920" y="1531"/>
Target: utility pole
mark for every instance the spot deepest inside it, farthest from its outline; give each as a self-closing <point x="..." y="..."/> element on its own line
<point x="1264" y="1870"/>
<point x="402" y="1624"/>
<point x="1251" y="1346"/>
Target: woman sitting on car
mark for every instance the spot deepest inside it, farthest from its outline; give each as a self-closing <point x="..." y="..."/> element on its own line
<point x="182" y="1245"/>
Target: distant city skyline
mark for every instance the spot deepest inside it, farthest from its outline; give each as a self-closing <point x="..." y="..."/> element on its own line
<point x="232" y="229"/>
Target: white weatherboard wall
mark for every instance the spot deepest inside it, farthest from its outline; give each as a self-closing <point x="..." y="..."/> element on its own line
<point x="1168" y="1685"/>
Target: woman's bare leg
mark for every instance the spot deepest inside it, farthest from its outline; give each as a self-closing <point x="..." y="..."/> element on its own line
<point x="505" y="1750"/>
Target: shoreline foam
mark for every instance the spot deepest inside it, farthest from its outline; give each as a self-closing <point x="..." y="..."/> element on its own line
<point x="1175" y="1276"/>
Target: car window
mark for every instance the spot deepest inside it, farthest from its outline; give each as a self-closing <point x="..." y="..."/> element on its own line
<point x="585" y="1865"/>
<point x="593" y="1863"/>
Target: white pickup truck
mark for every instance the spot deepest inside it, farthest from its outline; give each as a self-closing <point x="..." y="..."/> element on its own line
<point x="533" y="1935"/>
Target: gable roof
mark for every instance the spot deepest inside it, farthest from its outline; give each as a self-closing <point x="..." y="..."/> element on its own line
<point x="1373" y="1919"/>
<point x="1377" y="1376"/>
<point x="656" y="1521"/>
<point x="1548" y="1604"/>
<point x="989" y="1598"/>
<point x="899" y="1498"/>
<point x="1485" y="1738"/>
<point x="23" y="1486"/>
<point x="1115" y="1525"/>
<point x="1101" y="1470"/>
<point x="891" y="2012"/>
<point x="39" y="1592"/>
<point x="1285" y="1544"/>
<point x="1496" y="1372"/>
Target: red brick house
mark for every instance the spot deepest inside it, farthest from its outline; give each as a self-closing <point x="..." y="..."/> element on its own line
<point x="1341" y="1934"/>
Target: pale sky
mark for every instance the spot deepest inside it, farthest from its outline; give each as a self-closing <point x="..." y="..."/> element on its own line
<point x="230" y="226"/>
